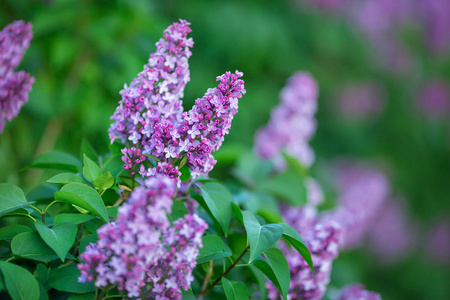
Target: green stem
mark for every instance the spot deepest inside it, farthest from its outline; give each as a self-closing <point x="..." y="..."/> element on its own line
<point x="35" y="208"/>
<point x="226" y="272"/>
<point x="48" y="206"/>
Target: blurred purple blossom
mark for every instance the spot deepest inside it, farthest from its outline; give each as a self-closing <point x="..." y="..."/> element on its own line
<point x="434" y="98"/>
<point x="357" y="292"/>
<point x="363" y="191"/>
<point x="435" y="15"/>
<point x="292" y="123"/>
<point x="438" y="241"/>
<point x="361" y="100"/>
<point x="14" y="86"/>
<point x="142" y="248"/>
<point x="391" y="236"/>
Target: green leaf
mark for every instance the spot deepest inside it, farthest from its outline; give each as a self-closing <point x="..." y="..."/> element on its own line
<point x="179" y="210"/>
<point x="65" y="178"/>
<point x="83" y="196"/>
<point x="90" y="238"/>
<point x="21" y="285"/>
<point x="87" y="149"/>
<point x="104" y="181"/>
<point x="42" y="273"/>
<point x="93" y="225"/>
<point x="237" y="213"/>
<point x="66" y="280"/>
<point x="11" y="198"/>
<point x="288" y="185"/>
<point x="185" y="174"/>
<point x="60" y="238"/>
<point x="276" y="268"/>
<point x="291" y="236"/>
<point x="42" y="192"/>
<point x="188" y="295"/>
<point x="114" y="165"/>
<point x="235" y="290"/>
<point x="57" y="160"/>
<point x="213" y="248"/>
<point x="74" y="218"/>
<point x="90" y="296"/>
<point x="260" y="280"/>
<point x="91" y="170"/>
<point x="270" y="216"/>
<point x="9" y="232"/>
<point x="260" y="237"/>
<point x="30" y="245"/>
<point x="218" y="199"/>
<point x="113" y="211"/>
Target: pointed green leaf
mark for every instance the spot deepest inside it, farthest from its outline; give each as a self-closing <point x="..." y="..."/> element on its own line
<point x="9" y="232"/>
<point x="104" y="181"/>
<point x="237" y="213"/>
<point x="235" y="290"/>
<point x="21" y="285"/>
<point x="276" y="268"/>
<point x="218" y="199"/>
<point x="260" y="280"/>
<point x="291" y="236"/>
<point x="83" y="196"/>
<point x="213" y="248"/>
<point x="57" y="160"/>
<point x="11" y="198"/>
<point x="260" y="237"/>
<point x="114" y="165"/>
<point x="91" y="170"/>
<point x="74" y="218"/>
<point x="42" y="273"/>
<point x="60" y="238"/>
<point x="87" y="149"/>
<point x="66" y="280"/>
<point x="65" y="178"/>
<point x="30" y="245"/>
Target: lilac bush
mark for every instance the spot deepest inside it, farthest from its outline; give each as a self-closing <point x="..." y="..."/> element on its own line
<point x="14" y="86"/>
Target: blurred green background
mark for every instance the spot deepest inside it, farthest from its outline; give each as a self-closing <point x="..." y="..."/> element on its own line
<point x="83" y="52"/>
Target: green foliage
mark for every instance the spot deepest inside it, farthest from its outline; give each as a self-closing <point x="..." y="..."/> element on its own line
<point x="291" y="236"/>
<point x="21" y="285"/>
<point x="31" y="246"/>
<point x="9" y="232"/>
<point x="65" y="178"/>
<point x="218" y="201"/>
<point x="83" y="196"/>
<point x="276" y="268"/>
<point x="213" y="248"/>
<point x="57" y="160"/>
<point x="11" y="198"/>
<point x="65" y="279"/>
<point x="260" y="237"/>
<point x="91" y="170"/>
<point x="60" y="237"/>
<point x="235" y="290"/>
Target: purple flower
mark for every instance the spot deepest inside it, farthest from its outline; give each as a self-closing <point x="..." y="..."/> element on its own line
<point x="438" y="241"/>
<point x="391" y="236"/>
<point x="363" y="191"/>
<point x="150" y="114"/>
<point x="434" y="98"/>
<point x="140" y="251"/>
<point x="14" y="86"/>
<point x="323" y="243"/>
<point x="292" y="123"/>
<point x="357" y="292"/>
<point x="361" y="100"/>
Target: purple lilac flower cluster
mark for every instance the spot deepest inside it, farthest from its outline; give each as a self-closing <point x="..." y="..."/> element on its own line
<point x="434" y="98"/>
<point x="150" y="114"/>
<point x="14" y="86"/>
<point x="292" y="123"/>
<point x="323" y="243"/>
<point x="357" y="292"/>
<point x="438" y="241"/>
<point x="363" y="191"/>
<point x="140" y="251"/>
<point x="392" y="235"/>
<point x="361" y="100"/>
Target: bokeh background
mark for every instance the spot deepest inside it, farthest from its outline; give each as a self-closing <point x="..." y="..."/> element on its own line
<point x="383" y="70"/>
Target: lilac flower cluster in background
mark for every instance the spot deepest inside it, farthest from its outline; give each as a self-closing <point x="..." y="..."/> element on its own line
<point x="292" y="123"/>
<point x="434" y="98"/>
<point x="438" y="241"/>
<point x="140" y="251"/>
<point x="357" y="292"/>
<point x="363" y="191"/>
<point x="323" y="243"/>
<point x="361" y="100"/>
<point x="14" y="86"/>
<point x="150" y="115"/>
<point x="391" y="236"/>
